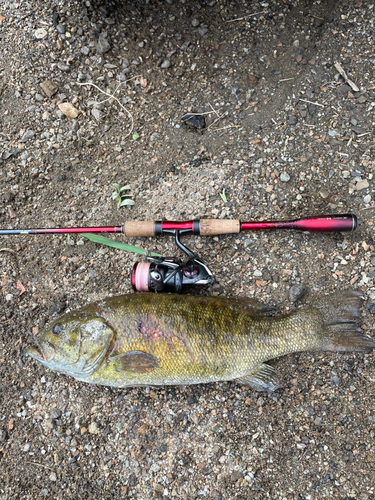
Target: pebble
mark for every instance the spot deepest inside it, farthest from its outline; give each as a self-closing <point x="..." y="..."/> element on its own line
<point x="103" y="46"/>
<point x="284" y="177"/>
<point x="68" y="109"/>
<point x="292" y="120"/>
<point x="61" y="29"/>
<point x="195" y="23"/>
<point x="335" y="380"/>
<point x="197" y="122"/>
<point x="165" y="64"/>
<point x="49" y="87"/>
<point x="63" y="67"/>
<point x="55" y="414"/>
<point x="40" y="33"/>
<point x="93" y="428"/>
<point x="371" y="307"/>
<point x="202" y="30"/>
<point x="367" y="199"/>
<point x="28" y="135"/>
<point x="296" y="292"/>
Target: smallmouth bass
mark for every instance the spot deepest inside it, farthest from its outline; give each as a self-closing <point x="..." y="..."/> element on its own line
<point x="156" y="339"/>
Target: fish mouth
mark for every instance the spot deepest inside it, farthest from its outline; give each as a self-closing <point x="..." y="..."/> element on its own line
<point x="35" y="353"/>
<point x="46" y="354"/>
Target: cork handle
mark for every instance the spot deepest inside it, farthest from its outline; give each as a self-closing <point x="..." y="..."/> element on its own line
<point x="218" y="226"/>
<point x="137" y="228"/>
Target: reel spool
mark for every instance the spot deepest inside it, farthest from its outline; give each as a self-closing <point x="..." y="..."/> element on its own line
<point x="169" y="274"/>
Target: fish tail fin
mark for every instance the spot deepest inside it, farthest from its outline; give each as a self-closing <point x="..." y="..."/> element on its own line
<point x="340" y="313"/>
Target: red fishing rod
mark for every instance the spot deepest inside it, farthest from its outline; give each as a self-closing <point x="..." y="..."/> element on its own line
<point x="206" y="227"/>
<point x="163" y="274"/>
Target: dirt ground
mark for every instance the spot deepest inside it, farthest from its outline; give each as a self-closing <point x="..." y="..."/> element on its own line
<point x="285" y="135"/>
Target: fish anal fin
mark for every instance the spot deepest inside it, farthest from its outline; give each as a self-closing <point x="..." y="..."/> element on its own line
<point x="264" y="377"/>
<point x="136" y="362"/>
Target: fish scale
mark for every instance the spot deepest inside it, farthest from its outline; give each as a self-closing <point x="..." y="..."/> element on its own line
<point x="153" y="339"/>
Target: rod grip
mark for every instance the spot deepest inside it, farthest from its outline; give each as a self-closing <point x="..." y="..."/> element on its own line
<point x="209" y="227"/>
<point x="139" y="228"/>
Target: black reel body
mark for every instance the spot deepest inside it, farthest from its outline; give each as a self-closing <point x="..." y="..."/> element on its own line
<point x="163" y="274"/>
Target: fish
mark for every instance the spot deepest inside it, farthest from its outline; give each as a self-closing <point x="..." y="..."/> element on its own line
<point x="151" y="339"/>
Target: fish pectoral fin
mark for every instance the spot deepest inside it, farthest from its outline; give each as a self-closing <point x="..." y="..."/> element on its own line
<point x="135" y="362"/>
<point x="264" y="377"/>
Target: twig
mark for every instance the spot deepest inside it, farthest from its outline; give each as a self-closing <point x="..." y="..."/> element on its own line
<point x="213" y="109"/>
<point x="39" y="465"/>
<point x="362" y="135"/>
<point x="342" y="154"/>
<point x="198" y="114"/>
<point x="310" y="102"/>
<point x="286" y="79"/>
<point x="345" y="77"/>
<point x="7" y="250"/>
<point x="245" y="17"/>
<point x="217" y="119"/>
<point x="111" y="96"/>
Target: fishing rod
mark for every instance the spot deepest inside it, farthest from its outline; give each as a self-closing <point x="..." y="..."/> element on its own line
<point x="161" y="274"/>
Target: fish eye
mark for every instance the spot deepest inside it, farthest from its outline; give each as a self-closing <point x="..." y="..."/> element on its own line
<point x="57" y="330"/>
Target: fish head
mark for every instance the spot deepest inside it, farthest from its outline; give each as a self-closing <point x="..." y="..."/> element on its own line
<point x="75" y="344"/>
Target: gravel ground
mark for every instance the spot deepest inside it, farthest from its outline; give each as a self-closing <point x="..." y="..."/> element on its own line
<point x="285" y="135"/>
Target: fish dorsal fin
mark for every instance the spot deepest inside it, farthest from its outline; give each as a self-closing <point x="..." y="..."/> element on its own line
<point x="264" y="377"/>
<point x="253" y="307"/>
<point x="135" y="362"/>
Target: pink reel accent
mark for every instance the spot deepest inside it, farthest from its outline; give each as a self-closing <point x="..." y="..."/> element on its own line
<point x="140" y="276"/>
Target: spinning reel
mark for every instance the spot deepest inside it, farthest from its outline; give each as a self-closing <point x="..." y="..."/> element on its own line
<point x="163" y="274"/>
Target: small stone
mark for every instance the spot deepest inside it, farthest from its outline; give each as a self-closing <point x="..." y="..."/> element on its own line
<point x="372" y="60"/>
<point x="3" y="436"/>
<point x="253" y="80"/>
<point x="358" y="130"/>
<point x="52" y="477"/>
<point x="335" y="380"/>
<point x="63" y="66"/>
<point x="40" y="33"/>
<point x="363" y="184"/>
<point x="85" y="50"/>
<point x="284" y="177"/>
<point x="165" y="64"/>
<point x="367" y="199"/>
<point x="195" y="23"/>
<point x="39" y="98"/>
<point x="93" y="428"/>
<point x="296" y="43"/>
<point x="292" y="120"/>
<point x="61" y="29"/>
<point x="257" y="273"/>
<point x="103" y="44"/>
<point x="203" y="30"/>
<point x="26" y="447"/>
<point x="296" y="292"/>
<point x="68" y="109"/>
<point x="28" y="135"/>
<point x="59" y="44"/>
<point x="55" y="414"/>
<point x="371" y="307"/>
<point x="195" y="122"/>
<point x="324" y="193"/>
<point x="333" y="133"/>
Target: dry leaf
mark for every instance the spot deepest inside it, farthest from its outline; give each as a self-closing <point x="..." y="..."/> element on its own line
<point x="21" y="287"/>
